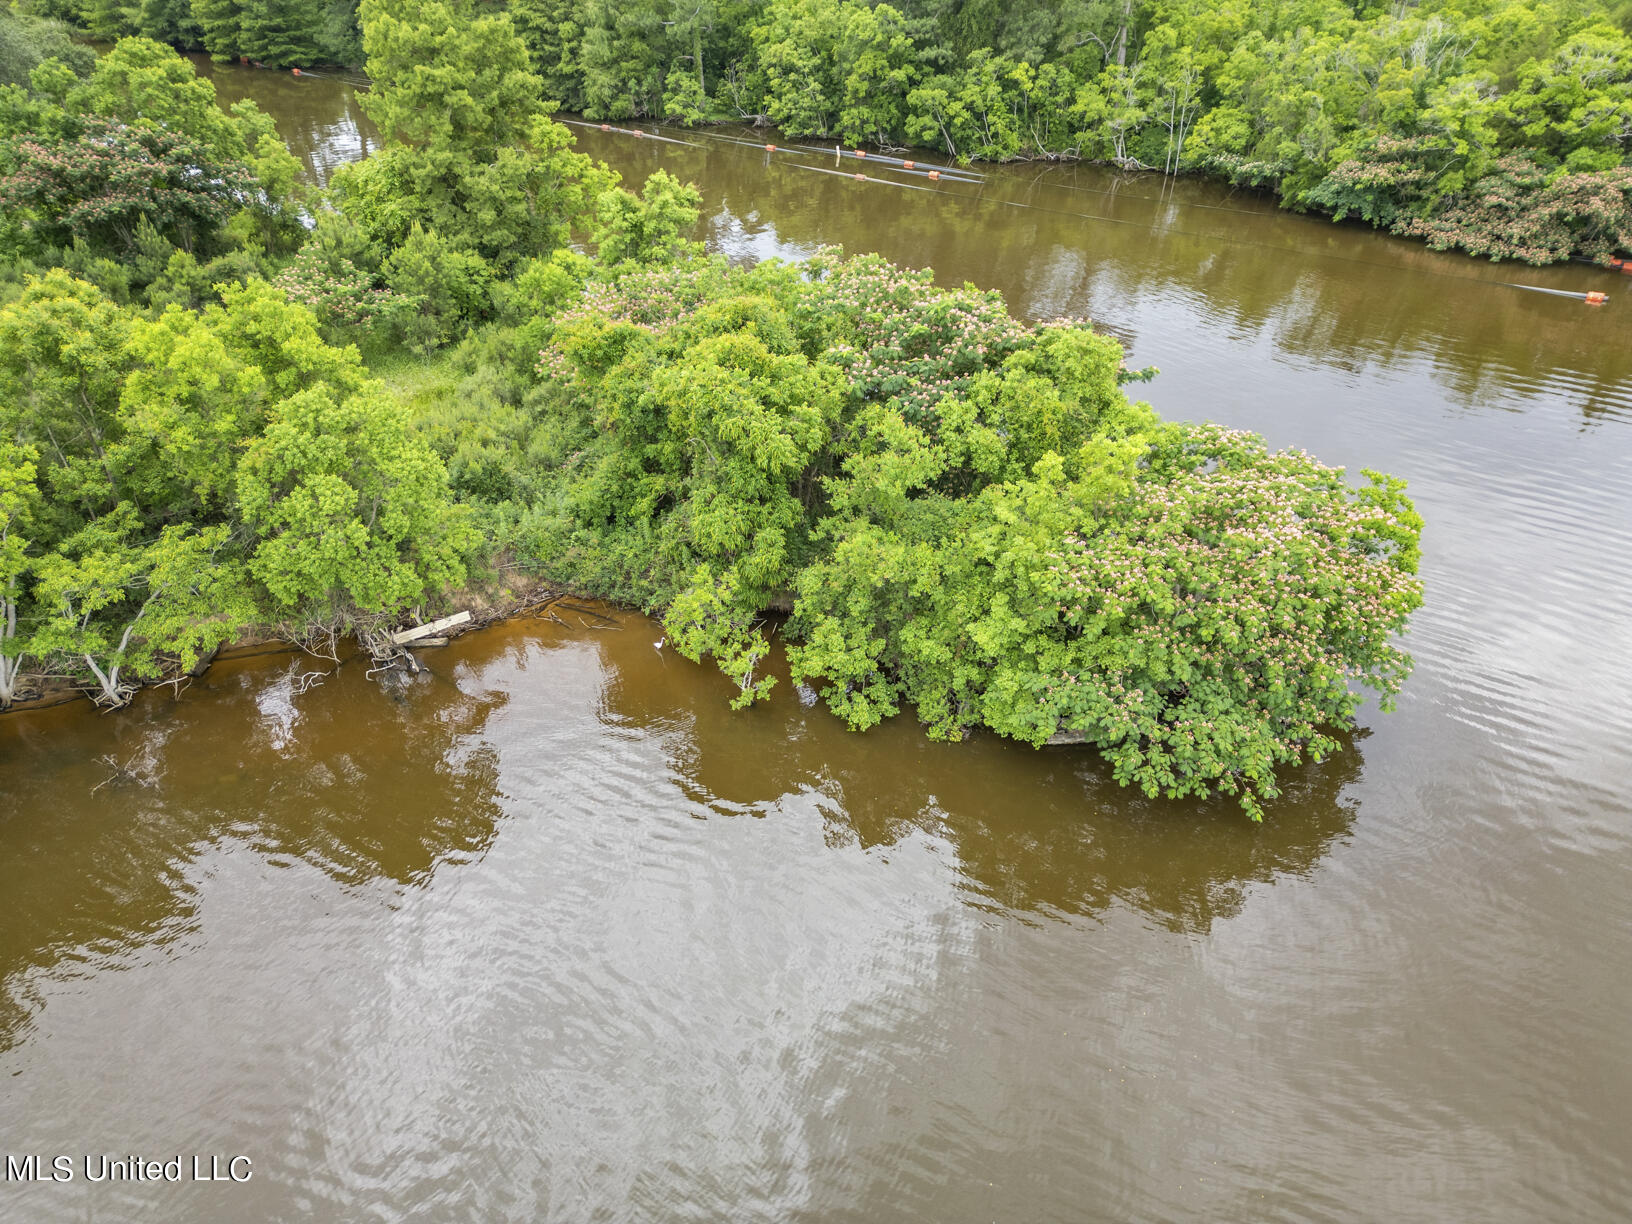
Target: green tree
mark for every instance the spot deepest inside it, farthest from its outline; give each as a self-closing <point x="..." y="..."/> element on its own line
<point x="109" y="19"/>
<point x="622" y="52"/>
<point x="187" y="409"/>
<point x="336" y="276"/>
<point x="437" y="289"/>
<point x="1112" y="109"/>
<point x="1575" y="107"/>
<point x="282" y="32"/>
<point x="143" y="82"/>
<point x="259" y="326"/>
<point x="26" y="42"/>
<point x="936" y="116"/>
<point x="349" y="507"/>
<point x="1521" y="211"/>
<point x="98" y="187"/>
<point x="685" y="101"/>
<point x="470" y="151"/>
<point x="650" y="228"/>
<point x="553" y="31"/>
<point x="221" y="25"/>
<point x="18" y="498"/>
<point x="710" y="617"/>
<point x="169" y="21"/>
<point x="63" y="360"/>
<point x="120" y="609"/>
<point x="1126" y="598"/>
<point x="877" y="65"/>
<point x="798" y="55"/>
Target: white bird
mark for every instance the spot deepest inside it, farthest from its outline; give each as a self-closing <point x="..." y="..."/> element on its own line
<point x="658" y="645"/>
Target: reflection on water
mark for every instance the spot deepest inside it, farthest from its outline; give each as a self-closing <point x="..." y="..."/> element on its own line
<point x="354" y="782"/>
<point x="1076" y="845"/>
<point x="553" y="889"/>
<point x="553" y="934"/>
<point x="1150" y="260"/>
<point x="316" y="112"/>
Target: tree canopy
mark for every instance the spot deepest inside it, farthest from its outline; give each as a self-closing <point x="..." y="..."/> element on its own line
<point x="1501" y="126"/>
<point x="1406" y="116"/>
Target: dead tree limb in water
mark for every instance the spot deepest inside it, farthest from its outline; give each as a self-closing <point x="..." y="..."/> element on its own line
<point x="611" y="620"/>
<point x="127" y="771"/>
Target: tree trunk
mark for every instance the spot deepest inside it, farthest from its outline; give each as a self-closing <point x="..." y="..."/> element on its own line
<point x="109" y="681"/>
<point x="9" y="667"/>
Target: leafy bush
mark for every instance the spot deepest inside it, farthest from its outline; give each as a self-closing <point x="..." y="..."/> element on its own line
<point x="98" y="186"/>
<point x="439" y="290"/>
<point x="1521" y="211"/>
<point x="1187" y="602"/>
<point x="966" y="515"/>
<point x="349" y="506"/>
<point x="346" y="300"/>
<point x="650" y="228"/>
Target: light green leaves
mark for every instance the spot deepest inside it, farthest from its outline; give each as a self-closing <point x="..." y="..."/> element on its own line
<point x="711" y="617"/>
<point x="349" y="505"/>
<point x="63" y="359"/>
<point x="19" y="498"/>
<point x="116" y="607"/>
<point x="471" y="152"/>
<point x="652" y="228"/>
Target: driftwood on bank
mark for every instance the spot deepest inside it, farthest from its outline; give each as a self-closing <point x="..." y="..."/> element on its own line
<point x="391" y="650"/>
<point x="433" y="629"/>
<point x="385" y="650"/>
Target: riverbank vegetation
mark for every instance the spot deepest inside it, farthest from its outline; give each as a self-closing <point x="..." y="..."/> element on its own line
<point x="228" y="402"/>
<point x="1502" y="127"/>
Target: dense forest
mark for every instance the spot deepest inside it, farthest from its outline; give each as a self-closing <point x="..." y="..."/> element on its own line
<point x="232" y="404"/>
<point x="1498" y="126"/>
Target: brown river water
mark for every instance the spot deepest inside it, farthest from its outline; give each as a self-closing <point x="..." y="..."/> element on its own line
<point x="551" y="934"/>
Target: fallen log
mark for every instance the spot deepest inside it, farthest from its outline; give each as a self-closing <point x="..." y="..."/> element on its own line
<point x="586" y="611"/>
<point x="1067" y="736"/>
<point x="433" y="629"/>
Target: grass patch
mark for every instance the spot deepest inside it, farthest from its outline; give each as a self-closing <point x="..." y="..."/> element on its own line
<point x="421" y="382"/>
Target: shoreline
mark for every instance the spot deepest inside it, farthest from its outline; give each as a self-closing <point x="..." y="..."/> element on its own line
<point x="355" y="76"/>
<point x="485" y="611"/>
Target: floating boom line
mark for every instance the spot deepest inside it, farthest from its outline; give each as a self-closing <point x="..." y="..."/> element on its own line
<point x="906" y="166"/>
<point x="607" y="127"/>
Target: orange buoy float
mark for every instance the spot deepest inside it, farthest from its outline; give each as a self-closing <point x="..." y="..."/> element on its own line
<point x="606" y="127"/>
<point x="861" y="152"/>
<point x="770" y="148"/>
<point x="638" y="132"/>
<point x="1596" y="299"/>
<point x="908" y="165"/>
<point x="296" y="71"/>
<point x="1622" y="265"/>
<point x="861" y="178"/>
<point x="934" y="174"/>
